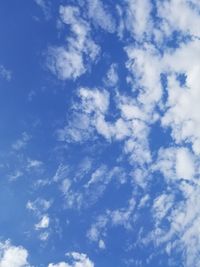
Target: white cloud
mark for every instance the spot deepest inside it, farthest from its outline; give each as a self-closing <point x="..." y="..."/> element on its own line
<point x="43" y="223"/>
<point x="162" y="204"/>
<point x="102" y="244"/>
<point x="145" y="65"/>
<point x="34" y="164"/>
<point x="184" y="164"/>
<point x="138" y="17"/>
<point x="187" y="22"/>
<point x="124" y="216"/>
<point x="39" y="206"/>
<point x="119" y="217"/>
<point x="182" y="115"/>
<point x="176" y="163"/>
<point x="44" y="236"/>
<point x="112" y="77"/>
<point x="77" y="260"/>
<point x="13" y="256"/>
<point x="15" y="175"/>
<point x="70" y="61"/>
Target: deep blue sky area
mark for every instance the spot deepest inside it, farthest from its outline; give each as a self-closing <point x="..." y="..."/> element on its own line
<point x="99" y="133"/>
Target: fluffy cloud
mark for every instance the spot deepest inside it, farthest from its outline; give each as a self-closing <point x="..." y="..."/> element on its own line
<point x="13" y="256"/>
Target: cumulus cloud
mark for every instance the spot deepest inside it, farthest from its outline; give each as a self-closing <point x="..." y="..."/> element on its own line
<point x="13" y="256"/>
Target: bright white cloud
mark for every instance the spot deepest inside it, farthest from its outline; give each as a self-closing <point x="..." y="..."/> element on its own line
<point x="13" y="256"/>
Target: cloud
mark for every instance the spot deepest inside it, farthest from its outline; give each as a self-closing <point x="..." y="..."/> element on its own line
<point x="182" y="114"/>
<point x="93" y="187"/>
<point x="176" y="163"/>
<point x="118" y="217"/>
<point x="13" y="256"/>
<point x="39" y="205"/>
<point x="45" y="6"/>
<point x="138" y="18"/>
<point x="43" y="223"/>
<point x="112" y="77"/>
<point x="5" y="73"/>
<point x="188" y="20"/>
<point x="77" y="260"/>
<point x="22" y="142"/>
<point x="101" y="16"/>
<point x="70" y="61"/>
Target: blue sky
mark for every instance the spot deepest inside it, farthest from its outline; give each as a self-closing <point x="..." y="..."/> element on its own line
<point x="99" y="133"/>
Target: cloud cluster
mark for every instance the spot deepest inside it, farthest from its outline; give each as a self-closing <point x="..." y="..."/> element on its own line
<point x="163" y="69"/>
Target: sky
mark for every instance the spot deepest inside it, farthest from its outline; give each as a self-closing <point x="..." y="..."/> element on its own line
<point x="100" y="133"/>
